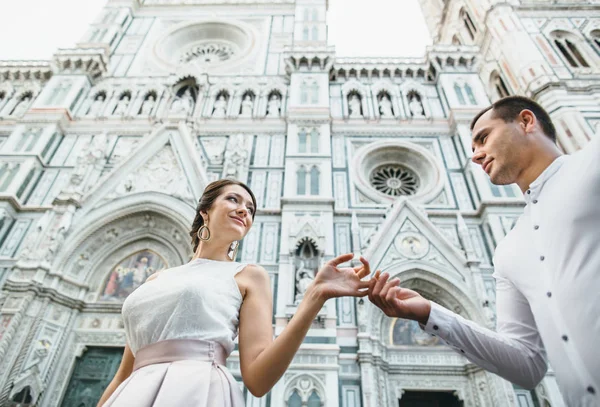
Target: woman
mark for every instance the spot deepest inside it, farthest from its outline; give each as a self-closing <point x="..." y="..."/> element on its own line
<point x="181" y="324"/>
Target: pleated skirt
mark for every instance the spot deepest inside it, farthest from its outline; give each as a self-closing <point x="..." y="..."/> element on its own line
<point x="179" y="372"/>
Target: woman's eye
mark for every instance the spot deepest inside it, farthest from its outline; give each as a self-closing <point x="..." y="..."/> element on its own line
<point x="233" y="198"/>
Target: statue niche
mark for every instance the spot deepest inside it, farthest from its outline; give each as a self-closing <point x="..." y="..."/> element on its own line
<point x="148" y="104"/>
<point x="415" y="104"/>
<point x="274" y="105"/>
<point x="220" y="106"/>
<point x="96" y="106"/>
<point x="354" y="105"/>
<point x="122" y="105"/>
<point x="184" y="100"/>
<point x="306" y="262"/>
<point x="247" y="104"/>
<point x="385" y="105"/>
<point x="22" y="105"/>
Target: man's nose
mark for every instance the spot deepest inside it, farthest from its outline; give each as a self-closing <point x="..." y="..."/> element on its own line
<point x="478" y="157"/>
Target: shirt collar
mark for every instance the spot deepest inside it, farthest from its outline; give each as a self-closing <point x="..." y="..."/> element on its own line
<point x="536" y="186"/>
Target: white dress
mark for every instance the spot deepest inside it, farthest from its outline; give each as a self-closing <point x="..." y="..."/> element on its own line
<point x="181" y="327"/>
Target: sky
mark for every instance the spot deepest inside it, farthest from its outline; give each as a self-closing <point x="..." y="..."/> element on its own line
<point x="35" y="29"/>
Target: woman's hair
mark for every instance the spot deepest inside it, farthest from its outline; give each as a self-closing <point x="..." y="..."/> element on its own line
<point x="210" y="194"/>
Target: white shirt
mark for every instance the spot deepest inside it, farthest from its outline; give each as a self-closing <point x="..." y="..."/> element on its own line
<point x="547" y="272"/>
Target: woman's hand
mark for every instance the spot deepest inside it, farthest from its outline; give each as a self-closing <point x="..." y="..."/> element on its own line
<point x="332" y="281"/>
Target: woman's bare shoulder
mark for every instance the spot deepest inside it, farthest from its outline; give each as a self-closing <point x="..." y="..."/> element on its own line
<point x="254" y="272"/>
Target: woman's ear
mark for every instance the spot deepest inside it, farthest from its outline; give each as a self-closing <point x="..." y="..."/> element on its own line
<point x="204" y="215"/>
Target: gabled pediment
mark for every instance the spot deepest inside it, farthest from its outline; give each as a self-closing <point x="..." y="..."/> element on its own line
<point x="408" y="236"/>
<point x="166" y="162"/>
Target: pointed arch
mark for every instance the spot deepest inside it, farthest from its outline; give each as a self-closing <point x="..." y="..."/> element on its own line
<point x="304" y="92"/>
<point x="302" y="141"/>
<point x="301" y="180"/>
<point x="386" y="88"/>
<point x="571" y="47"/>
<point x="459" y="94"/>
<point x="314" y="91"/>
<point x="315" y="176"/>
<point x="595" y="38"/>
<point x="497" y="86"/>
<point x="467" y="21"/>
<point x="470" y="94"/>
<point x="408" y="90"/>
<point x="314" y="140"/>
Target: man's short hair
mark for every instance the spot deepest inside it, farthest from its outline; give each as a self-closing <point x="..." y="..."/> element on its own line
<point x="509" y="108"/>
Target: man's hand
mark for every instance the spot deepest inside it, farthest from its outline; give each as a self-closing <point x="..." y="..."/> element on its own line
<point x="396" y="301"/>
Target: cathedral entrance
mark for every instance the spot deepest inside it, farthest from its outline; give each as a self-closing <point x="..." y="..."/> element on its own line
<point x="429" y="399"/>
<point x="93" y="372"/>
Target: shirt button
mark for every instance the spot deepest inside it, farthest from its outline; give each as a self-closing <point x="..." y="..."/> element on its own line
<point x="536" y="227"/>
<point x="435" y="327"/>
<point x="591" y="390"/>
<point x="549" y="294"/>
<point x="542" y="258"/>
<point x="529" y="191"/>
<point x="565" y="338"/>
<point x="535" y="201"/>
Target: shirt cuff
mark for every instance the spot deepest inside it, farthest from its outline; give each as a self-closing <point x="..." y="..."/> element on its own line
<point x="440" y="321"/>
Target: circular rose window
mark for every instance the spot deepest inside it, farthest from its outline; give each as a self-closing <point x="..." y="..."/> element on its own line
<point x="394" y="180"/>
<point x="205" y="45"/>
<point x="390" y="169"/>
<point x="209" y="53"/>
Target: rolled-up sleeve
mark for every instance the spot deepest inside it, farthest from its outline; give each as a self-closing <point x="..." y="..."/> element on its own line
<point x="515" y="352"/>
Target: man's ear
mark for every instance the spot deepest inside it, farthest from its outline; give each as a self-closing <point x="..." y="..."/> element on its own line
<point x="527" y="120"/>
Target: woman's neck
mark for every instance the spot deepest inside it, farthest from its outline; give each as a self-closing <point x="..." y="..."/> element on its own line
<point x="212" y="251"/>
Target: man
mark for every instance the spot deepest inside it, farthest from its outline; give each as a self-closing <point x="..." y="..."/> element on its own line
<point x="547" y="269"/>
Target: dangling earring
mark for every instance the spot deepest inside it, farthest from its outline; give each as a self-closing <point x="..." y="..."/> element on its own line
<point x="233" y="250"/>
<point x="201" y="232"/>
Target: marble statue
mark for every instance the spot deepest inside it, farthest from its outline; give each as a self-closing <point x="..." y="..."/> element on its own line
<point x="96" y="107"/>
<point x="385" y="106"/>
<point x="183" y="104"/>
<point x="354" y="106"/>
<point x="304" y="277"/>
<point x="416" y="107"/>
<point x="247" y="105"/>
<point x="220" y="107"/>
<point x="274" y="106"/>
<point x="122" y="105"/>
<point x="21" y="106"/>
<point x="148" y="105"/>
